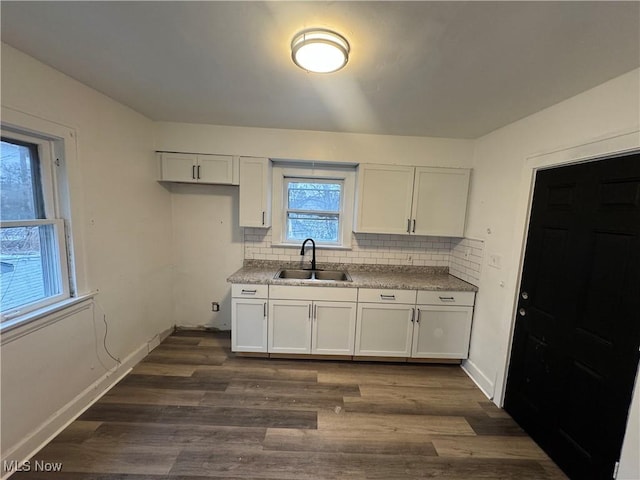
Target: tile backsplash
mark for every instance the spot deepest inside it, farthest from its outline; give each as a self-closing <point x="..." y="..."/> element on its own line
<point x="463" y="256"/>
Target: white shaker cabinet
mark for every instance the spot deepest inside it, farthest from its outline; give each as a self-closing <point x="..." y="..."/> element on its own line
<point x="384" y="327"/>
<point x="198" y="168"/>
<point x="411" y="200"/>
<point x="249" y="318"/>
<point x="384" y="194"/>
<point x="318" y="320"/>
<point x="290" y="326"/>
<point x="255" y="192"/>
<point x="334" y="325"/>
<point x="439" y="201"/>
<point x="443" y="324"/>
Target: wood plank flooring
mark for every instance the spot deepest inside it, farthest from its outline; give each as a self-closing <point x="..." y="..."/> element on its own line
<point x="192" y="410"/>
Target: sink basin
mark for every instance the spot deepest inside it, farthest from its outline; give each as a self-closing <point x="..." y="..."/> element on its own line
<point x="314" y="275"/>
<point x="297" y="274"/>
<point x="332" y="275"/>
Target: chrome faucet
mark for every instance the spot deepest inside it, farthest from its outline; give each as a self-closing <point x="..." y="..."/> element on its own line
<point x="313" y="258"/>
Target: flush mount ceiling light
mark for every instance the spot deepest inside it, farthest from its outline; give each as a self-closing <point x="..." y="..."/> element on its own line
<point x="320" y="51"/>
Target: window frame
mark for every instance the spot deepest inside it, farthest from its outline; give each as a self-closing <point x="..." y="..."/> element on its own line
<point x="49" y="182"/>
<point x="282" y="173"/>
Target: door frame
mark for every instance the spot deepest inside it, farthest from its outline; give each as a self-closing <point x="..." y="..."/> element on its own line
<point x="609" y="146"/>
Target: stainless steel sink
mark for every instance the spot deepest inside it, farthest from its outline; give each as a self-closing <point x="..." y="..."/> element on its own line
<point x="314" y="275"/>
<point x="296" y="274"/>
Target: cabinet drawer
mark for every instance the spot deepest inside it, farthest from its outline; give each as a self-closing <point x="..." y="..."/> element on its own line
<point x="445" y="298"/>
<point x="330" y="294"/>
<point x="377" y="295"/>
<point x="240" y="290"/>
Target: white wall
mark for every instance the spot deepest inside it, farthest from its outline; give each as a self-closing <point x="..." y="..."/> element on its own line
<point x="123" y="225"/>
<point x="208" y="247"/>
<point x="499" y="201"/>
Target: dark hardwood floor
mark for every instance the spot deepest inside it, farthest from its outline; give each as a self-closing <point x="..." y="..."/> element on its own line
<point x="193" y="410"/>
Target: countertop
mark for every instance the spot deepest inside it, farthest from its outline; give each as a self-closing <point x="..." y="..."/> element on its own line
<point x="363" y="276"/>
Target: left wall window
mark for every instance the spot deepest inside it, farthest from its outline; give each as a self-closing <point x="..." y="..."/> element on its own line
<point x="33" y="256"/>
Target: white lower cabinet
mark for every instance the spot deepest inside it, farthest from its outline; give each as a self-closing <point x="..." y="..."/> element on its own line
<point x="249" y="318"/>
<point x="351" y="322"/>
<point x="384" y="330"/>
<point x="443" y="324"/>
<point x="321" y="328"/>
<point x="289" y="326"/>
<point x="334" y="325"/>
<point x="317" y="320"/>
<point x="441" y="332"/>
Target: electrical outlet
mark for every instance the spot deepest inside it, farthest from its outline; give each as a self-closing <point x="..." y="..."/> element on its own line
<point x="495" y="261"/>
<point x="215" y="307"/>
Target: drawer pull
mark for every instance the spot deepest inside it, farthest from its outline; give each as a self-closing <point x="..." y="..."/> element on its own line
<point x="418" y="319"/>
<point x="447" y="299"/>
<point x="249" y="292"/>
<point x="387" y="297"/>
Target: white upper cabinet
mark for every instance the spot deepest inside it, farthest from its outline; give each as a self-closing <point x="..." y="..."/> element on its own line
<point x="384" y="195"/>
<point x="255" y="192"/>
<point x="439" y="201"/>
<point x="196" y="168"/>
<point x="412" y="200"/>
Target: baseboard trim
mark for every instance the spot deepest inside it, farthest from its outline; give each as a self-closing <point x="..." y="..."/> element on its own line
<point x="42" y="435"/>
<point x="480" y="379"/>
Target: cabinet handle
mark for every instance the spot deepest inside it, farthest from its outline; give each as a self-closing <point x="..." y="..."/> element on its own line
<point x="262" y="218"/>
<point x="264" y="309"/>
<point x="447" y="299"/>
<point x="408" y="225"/>
<point x="199" y="174"/>
<point x="248" y="292"/>
<point x="413" y="314"/>
<point x="387" y="297"/>
<point x="193" y="172"/>
<point x="315" y="312"/>
<point x="414" y="224"/>
<point x="309" y="311"/>
<point x="418" y="319"/>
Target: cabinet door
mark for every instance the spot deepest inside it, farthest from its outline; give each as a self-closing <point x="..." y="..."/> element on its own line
<point x="442" y="332"/>
<point x="178" y="167"/>
<point x="289" y="326"/>
<point x="384" y="330"/>
<point x="440" y="201"/>
<point x="248" y="325"/>
<point x="215" y="169"/>
<point x="255" y="192"/>
<point x="384" y="198"/>
<point x="334" y="325"/>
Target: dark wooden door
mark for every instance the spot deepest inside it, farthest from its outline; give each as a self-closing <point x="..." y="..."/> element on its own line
<point x="577" y="333"/>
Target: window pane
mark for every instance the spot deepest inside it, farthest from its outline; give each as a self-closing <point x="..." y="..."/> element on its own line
<point x="29" y="259"/>
<point x="20" y="191"/>
<point x="322" y="228"/>
<point x="314" y="196"/>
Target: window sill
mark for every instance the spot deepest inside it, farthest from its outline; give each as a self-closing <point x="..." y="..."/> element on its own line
<point x="318" y="247"/>
<point x="31" y="318"/>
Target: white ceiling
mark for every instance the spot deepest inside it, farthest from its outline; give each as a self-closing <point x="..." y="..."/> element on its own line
<point x="446" y="69"/>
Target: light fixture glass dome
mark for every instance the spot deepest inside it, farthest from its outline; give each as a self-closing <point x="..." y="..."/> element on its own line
<point x="319" y="50"/>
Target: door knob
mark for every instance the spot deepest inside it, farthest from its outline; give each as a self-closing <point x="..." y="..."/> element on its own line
<point x="522" y="312"/>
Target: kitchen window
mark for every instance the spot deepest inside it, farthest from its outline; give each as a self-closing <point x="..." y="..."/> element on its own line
<point x="315" y="203"/>
<point x="33" y="254"/>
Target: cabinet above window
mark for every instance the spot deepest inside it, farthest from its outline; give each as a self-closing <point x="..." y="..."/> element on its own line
<point x="198" y="168"/>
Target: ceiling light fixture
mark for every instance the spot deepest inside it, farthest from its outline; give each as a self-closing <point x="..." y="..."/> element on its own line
<point x="320" y="51"/>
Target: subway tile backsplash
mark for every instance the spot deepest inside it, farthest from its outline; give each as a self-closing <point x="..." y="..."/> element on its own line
<point x="380" y="249"/>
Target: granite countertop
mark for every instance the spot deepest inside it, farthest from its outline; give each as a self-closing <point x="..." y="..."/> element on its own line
<point x="363" y="276"/>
